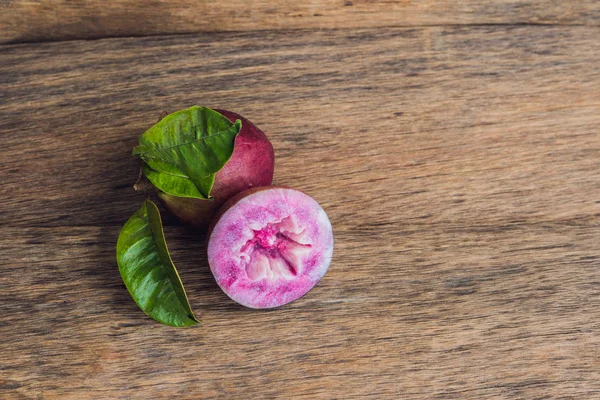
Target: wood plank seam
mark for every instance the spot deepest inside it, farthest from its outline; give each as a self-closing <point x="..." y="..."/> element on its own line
<point x="300" y="30"/>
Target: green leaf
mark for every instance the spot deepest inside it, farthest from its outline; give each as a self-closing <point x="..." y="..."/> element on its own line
<point x="172" y="183"/>
<point x="148" y="272"/>
<point x="183" y="152"/>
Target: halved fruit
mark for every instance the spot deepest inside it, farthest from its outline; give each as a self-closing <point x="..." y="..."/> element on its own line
<point x="269" y="246"/>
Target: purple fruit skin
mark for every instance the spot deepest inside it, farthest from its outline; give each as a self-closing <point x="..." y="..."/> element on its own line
<point x="229" y="235"/>
<point x="251" y="165"/>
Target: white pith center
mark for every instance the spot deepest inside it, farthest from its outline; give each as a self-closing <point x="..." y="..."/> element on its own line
<point x="274" y="253"/>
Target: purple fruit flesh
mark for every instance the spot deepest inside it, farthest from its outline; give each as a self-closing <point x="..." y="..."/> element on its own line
<point x="269" y="246"/>
<point x="251" y="165"/>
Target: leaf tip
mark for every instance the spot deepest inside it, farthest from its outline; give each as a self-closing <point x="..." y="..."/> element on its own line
<point x="238" y="124"/>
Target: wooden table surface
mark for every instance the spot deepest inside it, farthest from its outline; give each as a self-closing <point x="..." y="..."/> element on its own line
<point x="455" y="146"/>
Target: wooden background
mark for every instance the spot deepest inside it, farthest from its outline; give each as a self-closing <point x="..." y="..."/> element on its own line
<point x="454" y="144"/>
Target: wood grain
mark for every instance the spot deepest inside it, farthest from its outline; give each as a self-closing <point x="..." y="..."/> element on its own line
<point x="42" y="20"/>
<point x="460" y="167"/>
